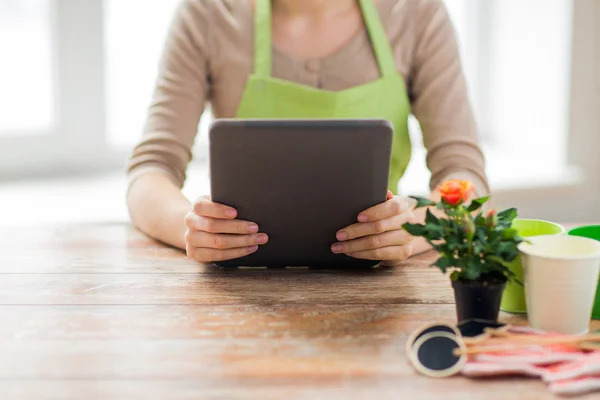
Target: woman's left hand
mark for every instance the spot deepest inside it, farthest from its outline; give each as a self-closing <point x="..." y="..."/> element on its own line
<point x="379" y="234"/>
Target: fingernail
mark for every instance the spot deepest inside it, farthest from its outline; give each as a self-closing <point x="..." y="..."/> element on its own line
<point x="337" y="248"/>
<point x="262" y="238"/>
<point x="252" y="249"/>
<point x="362" y="218"/>
<point x="341" y="235"/>
<point x="252" y="228"/>
<point x="231" y="213"/>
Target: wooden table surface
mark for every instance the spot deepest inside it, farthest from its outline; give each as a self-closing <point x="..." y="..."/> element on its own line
<point x="101" y="312"/>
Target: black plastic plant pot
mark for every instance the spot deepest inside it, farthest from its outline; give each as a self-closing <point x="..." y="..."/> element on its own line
<point x="478" y="299"/>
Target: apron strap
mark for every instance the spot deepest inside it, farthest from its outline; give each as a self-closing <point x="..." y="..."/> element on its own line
<point x="263" y="40"/>
<point x="379" y="40"/>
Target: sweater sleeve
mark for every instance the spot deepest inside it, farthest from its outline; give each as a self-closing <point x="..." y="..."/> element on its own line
<point x="440" y="100"/>
<point x="179" y="98"/>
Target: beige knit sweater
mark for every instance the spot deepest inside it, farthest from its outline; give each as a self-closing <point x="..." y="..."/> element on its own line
<point x="208" y="57"/>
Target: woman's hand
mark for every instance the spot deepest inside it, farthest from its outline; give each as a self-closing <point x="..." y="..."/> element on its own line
<point x="379" y="235"/>
<point x="213" y="234"/>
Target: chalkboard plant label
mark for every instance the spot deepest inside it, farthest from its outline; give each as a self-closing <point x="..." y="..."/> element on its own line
<point x="474" y="246"/>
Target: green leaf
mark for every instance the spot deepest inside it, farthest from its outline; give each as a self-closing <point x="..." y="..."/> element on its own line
<point x="435" y="232"/>
<point x="443" y="263"/>
<point x="437" y="247"/>
<point x="477" y="247"/>
<point x="480" y="235"/>
<point x="477" y="203"/>
<point x="509" y="234"/>
<point x="498" y="260"/>
<point x="471" y="274"/>
<point x="493" y="236"/>
<point x="452" y="245"/>
<point x="414" y="229"/>
<point x="507" y="215"/>
<point x="517" y="281"/>
<point x="508" y="251"/>
<point x="423" y="202"/>
<point x="510" y="256"/>
<point x="480" y="220"/>
<point x="430" y="218"/>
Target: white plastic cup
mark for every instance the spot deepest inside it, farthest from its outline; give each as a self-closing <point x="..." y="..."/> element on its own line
<point x="561" y="276"/>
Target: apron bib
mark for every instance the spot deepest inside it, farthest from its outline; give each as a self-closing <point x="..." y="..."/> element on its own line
<point x="385" y="98"/>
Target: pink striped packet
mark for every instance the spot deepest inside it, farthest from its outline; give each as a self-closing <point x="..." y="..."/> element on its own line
<point x="588" y="365"/>
<point x="577" y="386"/>
<point x="476" y="369"/>
<point x="567" y="369"/>
<point x="534" y="355"/>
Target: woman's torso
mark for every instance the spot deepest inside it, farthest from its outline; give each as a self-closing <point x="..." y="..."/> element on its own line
<point x="230" y="48"/>
<point x="208" y="58"/>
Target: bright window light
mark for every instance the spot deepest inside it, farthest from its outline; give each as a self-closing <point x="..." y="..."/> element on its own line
<point x="26" y="72"/>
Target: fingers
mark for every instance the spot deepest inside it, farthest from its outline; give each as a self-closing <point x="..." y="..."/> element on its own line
<point x="224" y="241"/>
<point x="212" y="247"/>
<point x="390" y="253"/>
<point x="379" y="235"/>
<point x="213" y="225"/>
<point x="392" y="238"/>
<point x="206" y="208"/>
<point x="213" y="234"/>
<point x="205" y="255"/>
<point x="362" y="229"/>
<point x="396" y="205"/>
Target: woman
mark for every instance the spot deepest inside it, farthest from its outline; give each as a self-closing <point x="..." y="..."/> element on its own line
<point x="309" y="58"/>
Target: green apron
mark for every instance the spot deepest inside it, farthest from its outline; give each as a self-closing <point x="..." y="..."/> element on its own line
<point x="384" y="98"/>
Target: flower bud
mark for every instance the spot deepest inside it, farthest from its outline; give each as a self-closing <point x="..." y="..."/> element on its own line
<point x="491" y="218"/>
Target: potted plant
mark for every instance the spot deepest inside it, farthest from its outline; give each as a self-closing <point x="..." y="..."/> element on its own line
<point x="475" y="246"/>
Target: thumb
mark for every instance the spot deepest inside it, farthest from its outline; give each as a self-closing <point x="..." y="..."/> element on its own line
<point x="390" y="195"/>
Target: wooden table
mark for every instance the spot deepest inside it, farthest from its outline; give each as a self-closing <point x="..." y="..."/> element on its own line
<point x="101" y="312"/>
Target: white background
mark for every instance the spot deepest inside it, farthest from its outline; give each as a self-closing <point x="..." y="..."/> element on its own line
<point x="76" y="77"/>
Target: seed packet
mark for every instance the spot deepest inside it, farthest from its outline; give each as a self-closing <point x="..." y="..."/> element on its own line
<point x="577" y="386"/>
<point x="476" y="369"/>
<point x="534" y="355"/>
<point x="588" y="365"/>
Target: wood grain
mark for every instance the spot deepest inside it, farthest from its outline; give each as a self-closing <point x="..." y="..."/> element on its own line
<point x="223" y="322"/>
<point x="266" y="389"/>
<point x="252" y="287"/>
<point x="101" y="312"/>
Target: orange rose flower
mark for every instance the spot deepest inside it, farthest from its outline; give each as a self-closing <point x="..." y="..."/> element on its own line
<point x="455" y="191"/>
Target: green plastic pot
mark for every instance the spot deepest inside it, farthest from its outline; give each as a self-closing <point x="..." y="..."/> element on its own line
<point x="592" y="232"/>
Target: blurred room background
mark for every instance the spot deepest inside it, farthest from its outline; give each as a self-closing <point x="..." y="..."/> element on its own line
<point x="76" y="77"/>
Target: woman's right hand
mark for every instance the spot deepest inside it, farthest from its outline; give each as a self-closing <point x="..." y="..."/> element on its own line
<point x="214" y="234"/>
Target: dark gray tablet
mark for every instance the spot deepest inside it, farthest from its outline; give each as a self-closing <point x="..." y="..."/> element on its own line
<point x="301" y="181"/>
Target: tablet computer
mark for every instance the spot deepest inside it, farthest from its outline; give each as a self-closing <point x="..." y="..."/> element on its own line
<point x="301" y="181"/>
